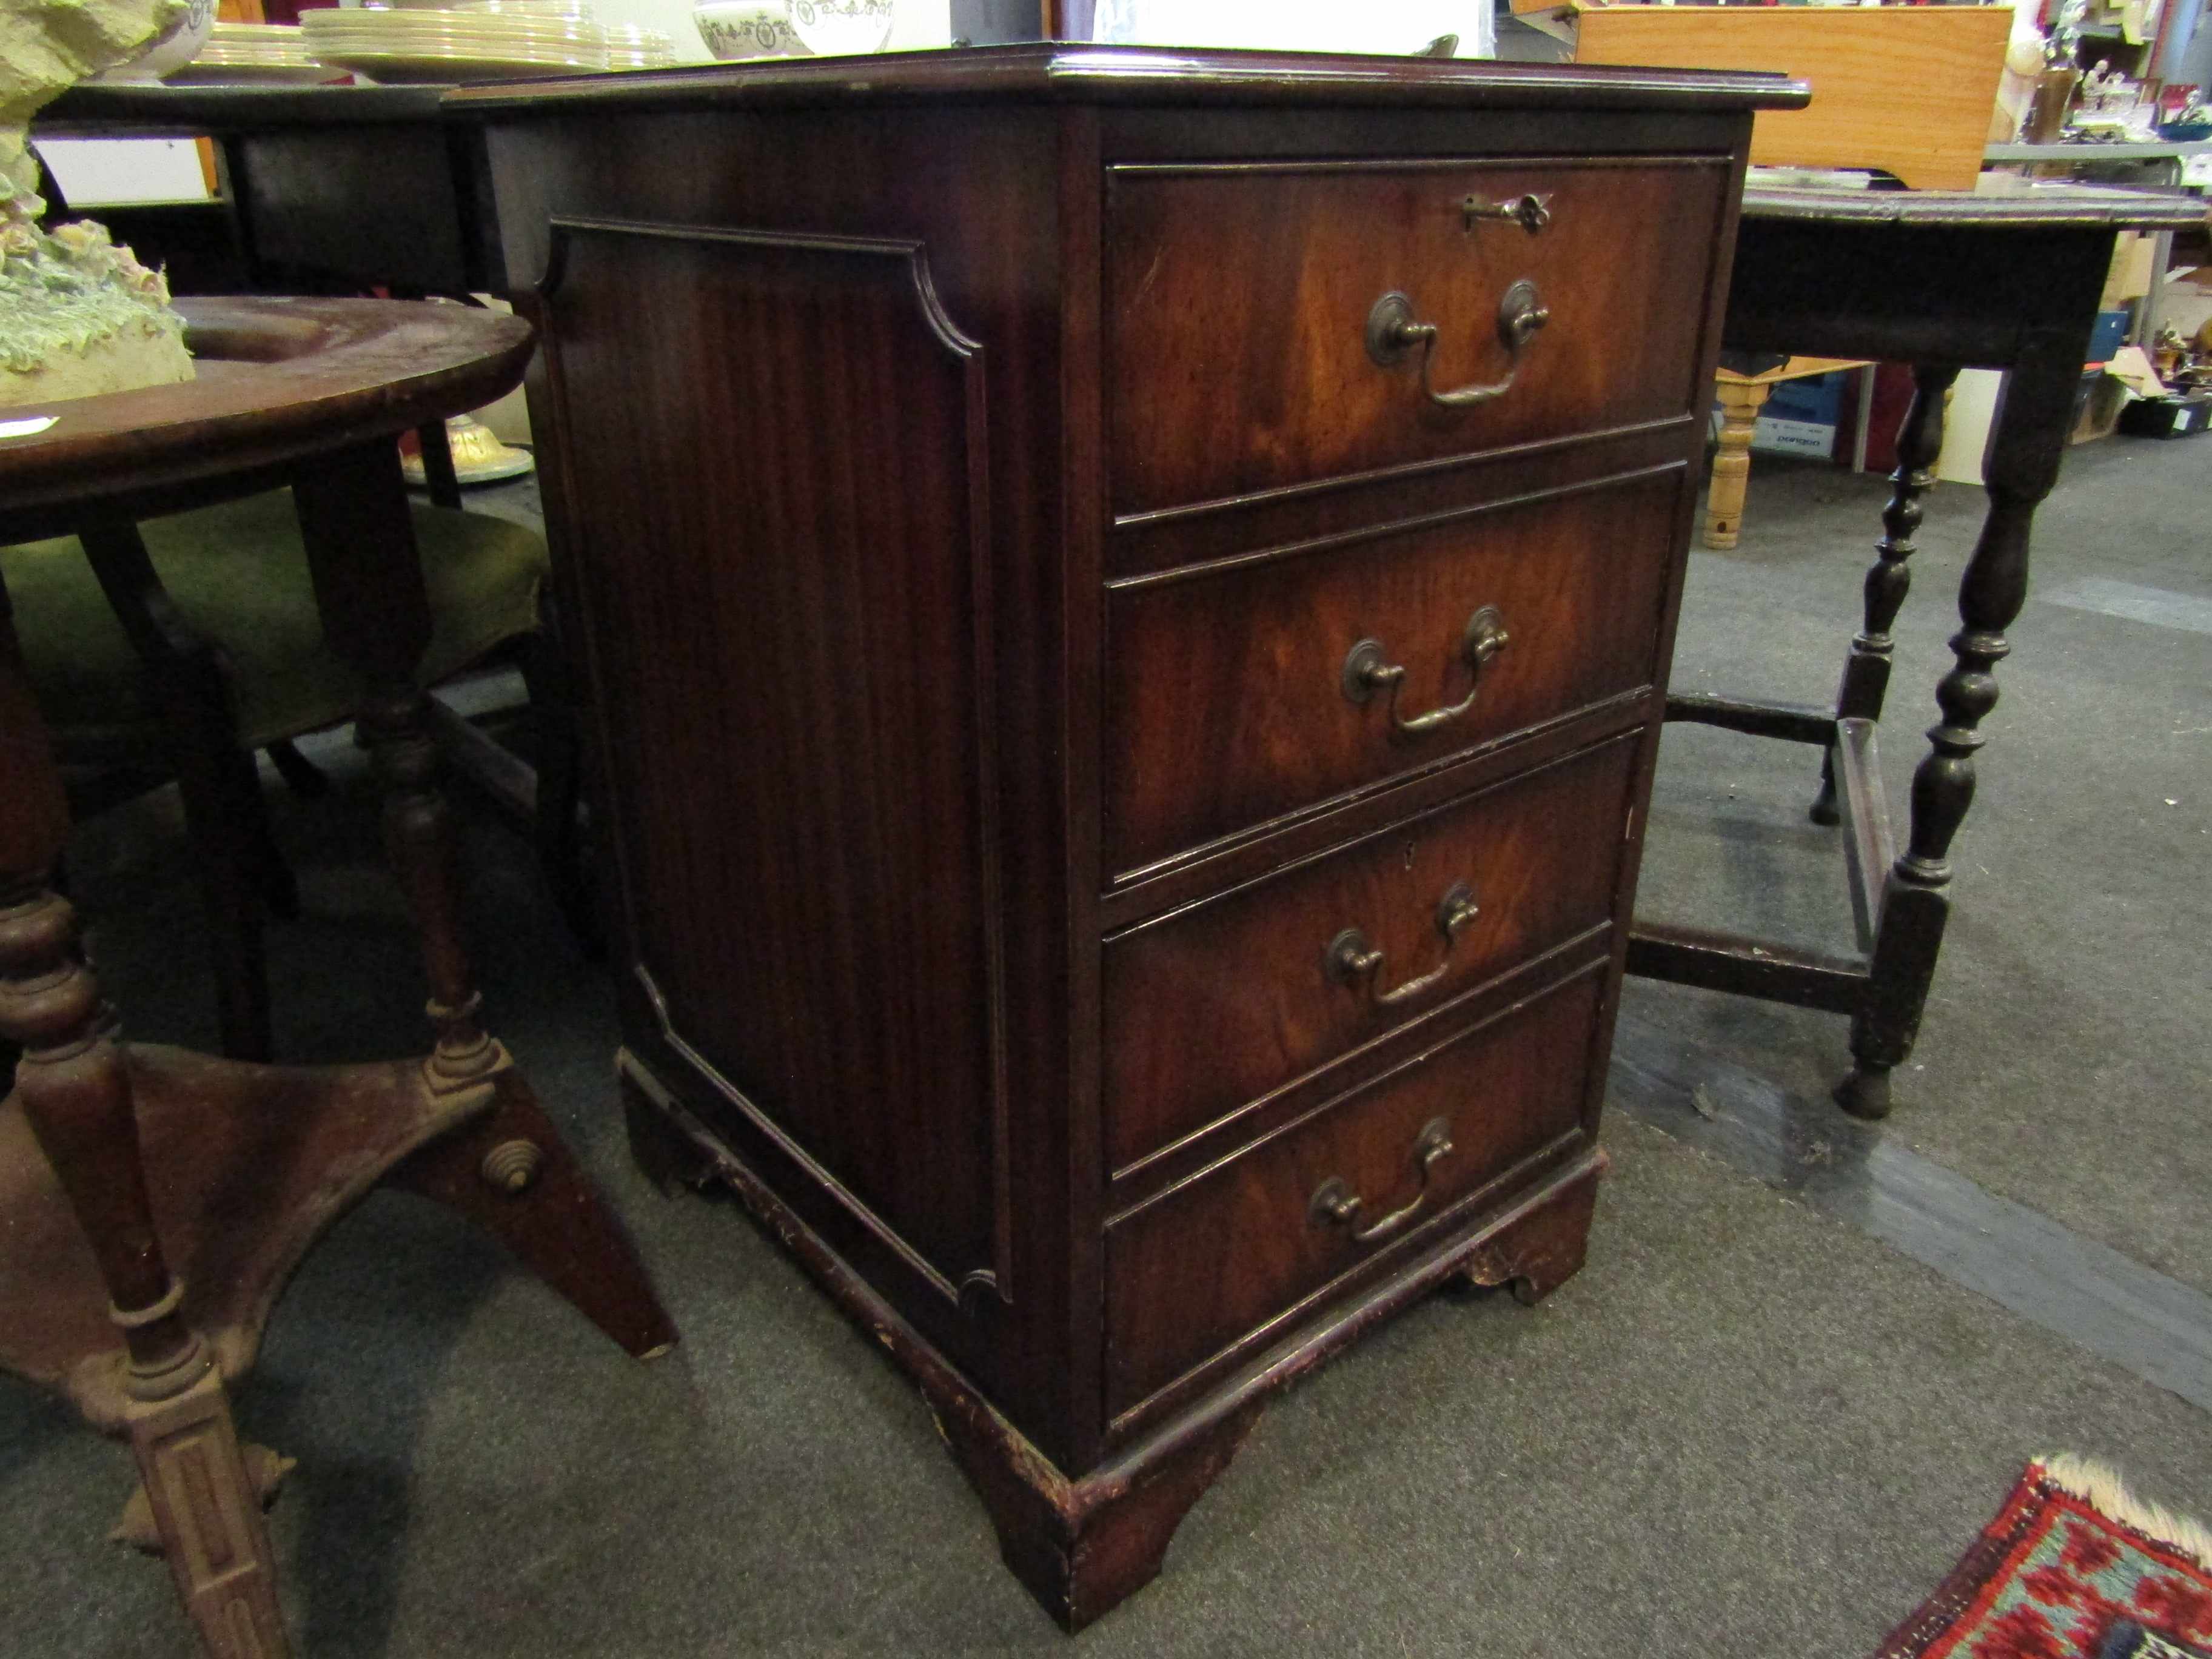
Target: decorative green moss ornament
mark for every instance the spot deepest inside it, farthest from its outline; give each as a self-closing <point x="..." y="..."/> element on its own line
<point x="78" y="314"/>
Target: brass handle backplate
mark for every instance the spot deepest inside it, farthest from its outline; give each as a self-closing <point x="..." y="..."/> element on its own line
<point x="1350" y="959"/>
<point x="1334" y="1204"/>
<point x="1393" y="333"/>
<point x="1367" y="670"/>
<point x="1531" y="213"/>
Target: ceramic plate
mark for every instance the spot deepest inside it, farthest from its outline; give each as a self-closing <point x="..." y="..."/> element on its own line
<point x="202" y="73"/>
<point x="397" y="69"/>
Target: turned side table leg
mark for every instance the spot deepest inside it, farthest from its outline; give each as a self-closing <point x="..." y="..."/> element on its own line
<point x="74" y="1090"/>
<point x="510" y="1172"/>
<point x="368" y="585"/>
<point x="1889" y="579"/>
<point x="2028" y="440"/>
<point x="1740" y="402"/>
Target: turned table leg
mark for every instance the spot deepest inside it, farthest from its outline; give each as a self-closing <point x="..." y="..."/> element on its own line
<point x="511" y="1173"/>
<point x="2026" y="445"/>
<point x="1740" y="402"/>
<point x="360" y="549"/>
<point x="1866" y="670"/>
<point x="75" y="1094"/>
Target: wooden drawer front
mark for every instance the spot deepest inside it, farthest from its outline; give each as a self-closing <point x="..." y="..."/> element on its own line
<point x="1225" y="694"/>
<point x="1222" y="1255"/>
<point x="1238" y="301"/>
<point x="1215" y="1005"/>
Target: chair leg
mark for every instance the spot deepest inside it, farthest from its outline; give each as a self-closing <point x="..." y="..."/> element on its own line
<point x="437" y="476"/>
<point x="223" y="796"/>
<point x="273" y="880"/>
<point x="230" y="878"/>
<point x="560" y="853"/>
<point x="301" y="775"/>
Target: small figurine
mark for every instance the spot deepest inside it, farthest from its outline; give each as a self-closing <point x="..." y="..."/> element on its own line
<point x="2168" y="352"/>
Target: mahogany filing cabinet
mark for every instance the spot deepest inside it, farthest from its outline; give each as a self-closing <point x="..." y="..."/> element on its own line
<point x="1126" y="598"/>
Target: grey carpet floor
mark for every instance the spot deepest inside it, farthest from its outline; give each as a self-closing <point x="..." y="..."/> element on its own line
<point x="1746" y="1429"/>
<point x="2065" y="1052"/>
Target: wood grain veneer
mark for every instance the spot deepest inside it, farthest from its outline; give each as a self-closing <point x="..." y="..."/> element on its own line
<point x="1236" y="296"/>
<point x="1224" y="692"/>
<point x="972" y="478"/>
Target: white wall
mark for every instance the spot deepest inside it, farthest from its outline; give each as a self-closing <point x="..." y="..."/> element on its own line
<point x="1376" y="26"/>
<point x="1967" y="421"/>
<point x="915" y="23"/>
<point x="107" y="172"/>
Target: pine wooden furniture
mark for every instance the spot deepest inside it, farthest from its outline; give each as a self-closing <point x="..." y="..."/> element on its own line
<point x="1944" y="280"/>
<point x="1124" y="732"/>
<point x="1741" y="397"/>
<point x="153" y="1201"/>
<point x="1910" y="89"/>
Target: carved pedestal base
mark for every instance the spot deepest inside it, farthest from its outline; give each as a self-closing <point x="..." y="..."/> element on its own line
<point x="206" y="1512"/>
<point x="510" y="1172"/>
<point x="265" y="1472"/>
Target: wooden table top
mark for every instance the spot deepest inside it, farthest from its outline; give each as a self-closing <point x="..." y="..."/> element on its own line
<point x="2163" y="151"/>
<point x="279" y="380"/>
<point x="149" y="109"/>
<point x="1064" y="71"/>
<point x="2042" y="207"/>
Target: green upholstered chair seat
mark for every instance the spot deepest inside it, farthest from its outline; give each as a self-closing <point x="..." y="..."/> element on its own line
<point x="239" y="575"/>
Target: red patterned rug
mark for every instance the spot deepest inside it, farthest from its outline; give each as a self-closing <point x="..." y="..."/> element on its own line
<point x="2072" y="1568"/>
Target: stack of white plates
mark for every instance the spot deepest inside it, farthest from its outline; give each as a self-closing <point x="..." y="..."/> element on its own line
<point x="245" y="53"/>
<point x="628" y="46"/>
<point x="577" y="11"/>
<point x="420" y="44"/>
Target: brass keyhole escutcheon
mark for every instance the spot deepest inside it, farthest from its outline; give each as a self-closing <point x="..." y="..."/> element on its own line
<point x="1532" y="212"/>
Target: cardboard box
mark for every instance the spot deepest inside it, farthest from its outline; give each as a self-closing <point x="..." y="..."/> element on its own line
<point x="1801" y="418"/>
<point x="1805" y="417"/>
<point x="2129" y="277"/>
<point x="2185" y="302"/>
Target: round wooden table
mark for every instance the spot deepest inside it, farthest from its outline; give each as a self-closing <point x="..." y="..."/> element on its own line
<point x="198" y="1184"/>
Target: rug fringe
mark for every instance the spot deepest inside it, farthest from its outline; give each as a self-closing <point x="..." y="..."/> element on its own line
<point x="2102" y="1488"/>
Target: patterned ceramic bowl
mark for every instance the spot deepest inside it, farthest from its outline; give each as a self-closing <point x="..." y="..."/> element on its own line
<point x="749" y="28"/>
<point x="834" y="28"/>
